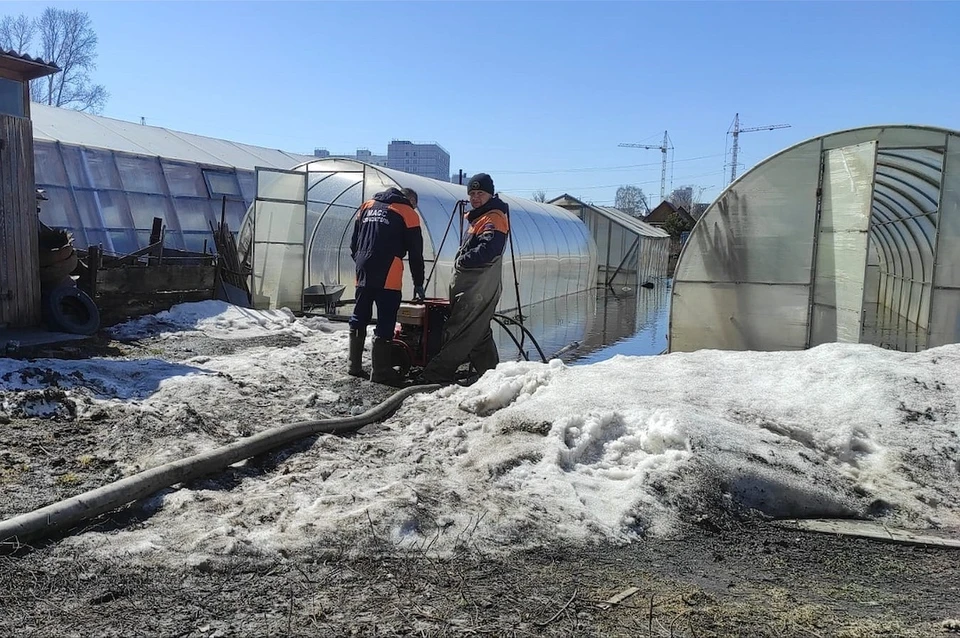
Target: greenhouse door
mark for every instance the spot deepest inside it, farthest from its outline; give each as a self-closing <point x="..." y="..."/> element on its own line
<point x="840" y="246"/>
<point x="279" y="235"/>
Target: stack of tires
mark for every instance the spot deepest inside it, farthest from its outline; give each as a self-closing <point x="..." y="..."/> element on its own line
<point x="66" y="308"/>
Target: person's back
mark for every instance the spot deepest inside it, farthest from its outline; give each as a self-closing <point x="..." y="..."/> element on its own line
<point x="386" y="228"/>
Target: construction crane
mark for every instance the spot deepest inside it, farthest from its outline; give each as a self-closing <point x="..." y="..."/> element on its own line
<point x="663" y="148"/>
<point x="735" y="130"/>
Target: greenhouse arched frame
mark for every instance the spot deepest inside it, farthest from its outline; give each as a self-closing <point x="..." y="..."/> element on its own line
<point x="848" y="237"/>
<point x="299" y="230"/>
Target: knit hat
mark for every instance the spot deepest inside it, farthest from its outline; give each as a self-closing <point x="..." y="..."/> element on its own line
<point x="481" y="182"/>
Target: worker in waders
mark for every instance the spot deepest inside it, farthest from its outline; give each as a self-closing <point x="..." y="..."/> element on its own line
<point x="476" y="287"/>
<point x="385" y="229"/>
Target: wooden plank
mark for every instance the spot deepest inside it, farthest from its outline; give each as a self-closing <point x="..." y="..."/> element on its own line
<point x="619" y="598"/>
<point x="131" y="258"/>
<point x="154" y="279"/>
<point x="19" y="265"/>
<point x="870" y="529"/>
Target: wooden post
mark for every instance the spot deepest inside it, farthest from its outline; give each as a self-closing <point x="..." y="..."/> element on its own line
<point x="19" y="223"/>
<point x="156" y="234"/>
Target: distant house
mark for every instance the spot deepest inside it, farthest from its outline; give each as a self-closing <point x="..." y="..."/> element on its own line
<point x="659" y="215"/>
<point x="658" y="218"/>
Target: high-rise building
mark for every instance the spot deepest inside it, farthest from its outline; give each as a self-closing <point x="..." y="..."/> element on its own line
<point x="455" y="177"/>
<point x="362" y="154"/>
<point x="426" y="159"/>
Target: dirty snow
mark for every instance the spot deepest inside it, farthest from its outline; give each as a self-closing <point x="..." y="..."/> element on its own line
<point x="531" y="454"/>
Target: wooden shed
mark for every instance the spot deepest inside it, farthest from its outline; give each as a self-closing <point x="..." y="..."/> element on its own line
<point x="19" y="226"/>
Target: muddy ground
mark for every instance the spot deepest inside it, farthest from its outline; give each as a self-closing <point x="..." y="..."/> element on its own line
<point x="723" y="577"/>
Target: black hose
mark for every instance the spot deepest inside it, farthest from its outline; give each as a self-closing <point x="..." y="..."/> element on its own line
<point x="517" y="343"/>
<point x="67" y="513"/>
<point x="543" y="357"/>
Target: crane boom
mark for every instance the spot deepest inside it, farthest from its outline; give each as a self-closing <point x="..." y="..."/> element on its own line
<point x="663" y="148"/>
<point x="735" y="130"/>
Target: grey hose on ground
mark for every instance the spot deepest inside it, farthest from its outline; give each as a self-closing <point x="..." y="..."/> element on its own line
<point x="69" y="512"/>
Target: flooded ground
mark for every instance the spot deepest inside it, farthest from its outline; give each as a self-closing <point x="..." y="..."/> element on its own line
<point x="589" y="326"/>
<point x="596" y="325"/>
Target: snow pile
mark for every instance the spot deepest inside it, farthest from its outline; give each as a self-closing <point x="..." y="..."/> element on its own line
<point x="220" y="320"/>
<point x="532" y="454"/>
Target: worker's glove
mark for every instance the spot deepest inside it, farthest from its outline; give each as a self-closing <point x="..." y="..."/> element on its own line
<point x="419" y="294"/>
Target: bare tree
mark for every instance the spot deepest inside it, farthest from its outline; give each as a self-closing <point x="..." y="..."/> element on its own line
<point x="632" y="201"/>
<point x="67" y="39"/>
<point x="16" y="34"/>
<point x="539" y="196"/>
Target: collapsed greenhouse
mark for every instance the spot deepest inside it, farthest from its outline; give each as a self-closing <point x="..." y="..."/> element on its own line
<point x="848" y="237"/>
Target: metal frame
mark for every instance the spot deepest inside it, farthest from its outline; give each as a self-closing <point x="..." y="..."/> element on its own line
<point x="904" y="231"/>
<point x="866" y="245"/>
<point x="936" y="243"/>
<point x="815" y="251"/>
<point x="257" y="198"/>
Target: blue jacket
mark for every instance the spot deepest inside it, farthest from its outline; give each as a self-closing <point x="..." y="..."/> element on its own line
<point x="387" y="228"/>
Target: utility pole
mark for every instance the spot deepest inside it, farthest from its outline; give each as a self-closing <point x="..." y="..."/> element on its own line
<point x="663" y="148"/>
<point x="735" y="130"/>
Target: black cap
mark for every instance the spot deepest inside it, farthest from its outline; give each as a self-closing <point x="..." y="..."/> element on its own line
<point x="480" y="182"/>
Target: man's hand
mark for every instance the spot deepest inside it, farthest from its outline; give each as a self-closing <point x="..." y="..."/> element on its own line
<point x="419" y="294"/>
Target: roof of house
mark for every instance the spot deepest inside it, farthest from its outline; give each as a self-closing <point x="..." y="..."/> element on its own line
<point x="664" y="210"/>
<point x="30" y="67"/>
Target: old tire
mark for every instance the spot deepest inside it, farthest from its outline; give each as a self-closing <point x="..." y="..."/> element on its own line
<point x="69" y="309"/>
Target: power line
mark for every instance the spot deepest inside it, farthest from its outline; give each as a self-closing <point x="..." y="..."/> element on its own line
<point x="519" y="189"/>
<point x="600" y="168"/>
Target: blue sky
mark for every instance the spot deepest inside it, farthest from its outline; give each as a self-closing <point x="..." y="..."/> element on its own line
<point x="538" y="94"/>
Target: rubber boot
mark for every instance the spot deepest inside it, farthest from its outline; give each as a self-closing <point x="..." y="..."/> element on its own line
<point x="485" y="356"/>
<point x="357" y="337"/>
<point x="383" y="371"/>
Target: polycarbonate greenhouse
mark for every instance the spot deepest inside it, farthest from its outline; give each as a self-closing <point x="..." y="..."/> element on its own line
<point x="107" y="179"/>
<point x="629" y="251"/>
<point x="849" y="237"/>
<point x="297" y="235"/>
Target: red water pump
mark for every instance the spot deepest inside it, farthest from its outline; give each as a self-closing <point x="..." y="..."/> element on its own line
<point x="418" y="333"/>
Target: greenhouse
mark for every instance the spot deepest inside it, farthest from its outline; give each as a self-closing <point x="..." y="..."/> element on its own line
<point x="629" y="251"/>
<point x="297" y="236"/>
<point x="107" y="180"/>
<point x="849" y="237"/>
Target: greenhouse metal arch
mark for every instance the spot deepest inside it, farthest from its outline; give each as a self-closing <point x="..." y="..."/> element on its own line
<point x="311" y="209"/>
<point x="848" y="237"/>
